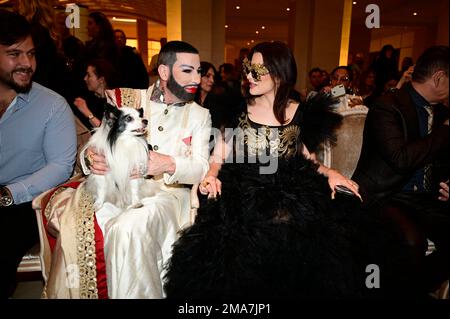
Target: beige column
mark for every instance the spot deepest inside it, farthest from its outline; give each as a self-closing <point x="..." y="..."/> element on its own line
<point x="200" y="23"/>
<point x="173" y="20"/>
<point x="300" y="37"/>
<point x="142" y="39"/>
<point x="218" y="32"/>
<point x="319" y="35"/>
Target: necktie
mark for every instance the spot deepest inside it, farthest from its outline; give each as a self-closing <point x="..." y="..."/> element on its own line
<point x="427" y="168"/>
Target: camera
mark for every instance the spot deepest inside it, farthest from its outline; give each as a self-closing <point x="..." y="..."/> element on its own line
<point x="338" y="91"/>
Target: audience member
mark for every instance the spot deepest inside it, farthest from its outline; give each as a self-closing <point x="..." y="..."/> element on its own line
<point x="153" y="67"/>
<point x="385" y="67"/>
<point x="50" y="70"/>
<point x="100" y="76"/>
<point x="38" y="144"/>
<point x="103" y="43"/>
<point x="132" y="70"/>
<point x="406" y="135"/>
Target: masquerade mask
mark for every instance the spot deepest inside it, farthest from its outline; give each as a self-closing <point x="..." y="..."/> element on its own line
<point x="257" y="70"/>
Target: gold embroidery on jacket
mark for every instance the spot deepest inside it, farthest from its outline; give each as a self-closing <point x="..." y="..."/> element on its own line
<point x="128" y="97"/>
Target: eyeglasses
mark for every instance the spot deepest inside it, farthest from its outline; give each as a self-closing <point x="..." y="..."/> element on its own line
<point x="342" y="79"/>
<point x="256" y="70"/>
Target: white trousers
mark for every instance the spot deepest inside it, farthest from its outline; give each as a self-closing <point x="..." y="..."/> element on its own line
<point x="138" y="243"/>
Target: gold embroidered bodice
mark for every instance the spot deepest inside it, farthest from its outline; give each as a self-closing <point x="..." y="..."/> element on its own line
<point x="275" y="141"/>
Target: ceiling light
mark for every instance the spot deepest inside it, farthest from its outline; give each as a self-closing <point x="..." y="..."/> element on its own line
<point x="238" y="7"/>
<point x="226" y="26"/>
<point x="257" y="32"/>
<point x="263" y="27"/>
<point x="252" y="41"/>
<point x="288" y="9"/>
<point x="124" y="20"/>
<point x="127" y="7"/>
<point x="354" y="2"/>
<point x="248" y="43"/>
<point x="415" y="13"/>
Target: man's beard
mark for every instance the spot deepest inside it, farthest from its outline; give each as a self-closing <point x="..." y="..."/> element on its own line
<point x="8" y="80"/>
<point x="179" y="90"/>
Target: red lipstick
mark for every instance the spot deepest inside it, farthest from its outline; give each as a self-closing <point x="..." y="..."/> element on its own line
<point x="191" y="89"/>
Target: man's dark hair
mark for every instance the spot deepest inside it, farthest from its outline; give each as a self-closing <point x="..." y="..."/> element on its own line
<point x="121" y="31"/>
<point x="314" y="70"/>
<point x="433" y="59"/>
<point x="227" y="68"/>
<point x="168" y="53"/>
<point x="13" y="27"/>
<point x="344" y="67"/>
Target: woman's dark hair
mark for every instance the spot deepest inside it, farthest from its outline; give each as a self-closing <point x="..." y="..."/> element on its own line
<point x="106" y="30"/>
<point x="103" y="68"/>
<point x="280" y="62"/>
<point x="362" y="86"/>
<point x="386" y="48"/>
<point x="406" y="63"/>
<point x="13" y="27"/>
<point x="205" y="66"/>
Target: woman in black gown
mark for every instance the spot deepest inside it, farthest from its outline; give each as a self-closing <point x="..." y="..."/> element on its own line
<point x="274" y="230"/>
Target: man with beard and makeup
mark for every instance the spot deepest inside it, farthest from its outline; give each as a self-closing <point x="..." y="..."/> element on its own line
<point x="138" y="242"/>
<point x="37" y="148"/>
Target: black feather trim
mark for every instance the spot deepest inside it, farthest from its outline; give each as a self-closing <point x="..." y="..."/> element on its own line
<point x="319" y="121"/>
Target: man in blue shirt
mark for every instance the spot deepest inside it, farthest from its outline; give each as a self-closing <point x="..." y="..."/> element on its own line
<point x="37" y="144"/>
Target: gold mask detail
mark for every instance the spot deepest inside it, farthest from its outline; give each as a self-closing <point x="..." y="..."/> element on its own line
<point x="257" y="70"/>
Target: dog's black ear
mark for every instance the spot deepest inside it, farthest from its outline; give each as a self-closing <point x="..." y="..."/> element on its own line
<point x="141" y="112"/>
<point x="112" y="113"/>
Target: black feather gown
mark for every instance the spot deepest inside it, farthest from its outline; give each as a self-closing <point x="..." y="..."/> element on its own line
<point x="279" y="235"/>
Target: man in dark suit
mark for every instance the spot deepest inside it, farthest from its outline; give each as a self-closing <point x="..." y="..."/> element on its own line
<point x="404" y="146"/>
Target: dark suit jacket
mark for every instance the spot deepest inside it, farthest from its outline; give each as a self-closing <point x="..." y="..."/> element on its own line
<point x="392" y="148"/>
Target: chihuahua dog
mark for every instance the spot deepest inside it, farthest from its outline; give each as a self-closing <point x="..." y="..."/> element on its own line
<point x="121" y="139"/>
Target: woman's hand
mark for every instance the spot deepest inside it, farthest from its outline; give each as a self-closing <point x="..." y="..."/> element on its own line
<point x="443" y="191"/>
<point x="210" y="186"/>
<point x="335" y="178"/>
<point x="96" y="162"/>
<point x="80" y="103"/>
<point x="406" y="77"/>
<point x="355" y="100"/>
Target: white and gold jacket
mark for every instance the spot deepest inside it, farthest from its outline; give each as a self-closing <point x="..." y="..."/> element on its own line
<point x="182" y="132"/>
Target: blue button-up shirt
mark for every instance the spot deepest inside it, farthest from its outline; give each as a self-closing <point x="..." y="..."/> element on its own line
<point x="37" y="143"/>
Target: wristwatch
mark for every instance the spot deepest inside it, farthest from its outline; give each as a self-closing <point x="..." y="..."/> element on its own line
<point x="6" y="198"/>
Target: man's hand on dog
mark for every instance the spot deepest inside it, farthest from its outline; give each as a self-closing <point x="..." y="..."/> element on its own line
<point x="97" y="162"/>
<point x="160" y="163"/>
<point x="157" y="163"/>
